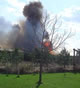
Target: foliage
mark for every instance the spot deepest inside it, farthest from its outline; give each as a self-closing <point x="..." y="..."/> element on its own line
<point x="64" y="57"/>
<point x="17" y="56"/>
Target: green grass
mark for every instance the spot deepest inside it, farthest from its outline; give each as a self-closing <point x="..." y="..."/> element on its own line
<point x="55" y="80"/>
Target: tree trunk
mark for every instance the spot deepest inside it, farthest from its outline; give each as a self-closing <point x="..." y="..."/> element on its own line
<point x="17" y="70"/>
<point x="6" y="68"/>
<point x="74" y="64"/>
<point x="64" y="70"/>
<point x="40" y="73"/>
<point x="18" y="73"/>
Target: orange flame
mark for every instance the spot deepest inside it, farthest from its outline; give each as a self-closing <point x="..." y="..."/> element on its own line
<point x="48" y="45"/>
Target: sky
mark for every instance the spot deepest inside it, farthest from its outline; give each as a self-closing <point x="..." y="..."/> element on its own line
<point x="69" y="10"/>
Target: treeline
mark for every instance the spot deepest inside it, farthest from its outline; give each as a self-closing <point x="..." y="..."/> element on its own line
<point x="16" y="61"/>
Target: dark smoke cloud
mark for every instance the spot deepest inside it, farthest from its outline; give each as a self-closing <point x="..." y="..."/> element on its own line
<point x="33" y="11"/>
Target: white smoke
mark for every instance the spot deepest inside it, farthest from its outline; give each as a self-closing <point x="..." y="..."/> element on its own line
<point x="5" y="27"/>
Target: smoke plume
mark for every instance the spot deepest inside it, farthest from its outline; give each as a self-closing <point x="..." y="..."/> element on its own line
<point x="26" y="35"/>
<point x="33" y="11"/>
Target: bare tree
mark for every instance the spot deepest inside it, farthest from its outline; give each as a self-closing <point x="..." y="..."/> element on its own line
<point x="54" y="37"/>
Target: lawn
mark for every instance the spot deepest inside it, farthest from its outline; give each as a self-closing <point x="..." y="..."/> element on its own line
<point x="54" y="80"/>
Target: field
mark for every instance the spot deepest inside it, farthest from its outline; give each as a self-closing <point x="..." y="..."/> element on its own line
<point x="51" y="80"/>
